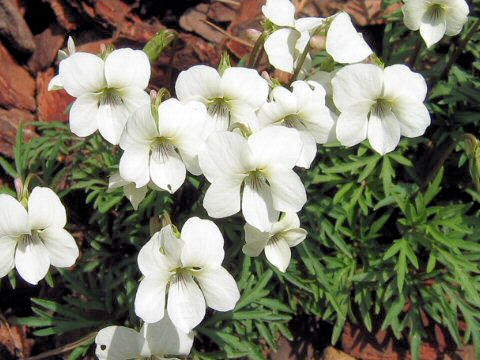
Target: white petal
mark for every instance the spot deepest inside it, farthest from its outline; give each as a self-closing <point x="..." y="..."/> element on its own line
<point x="111" y="120"/>
<point x="309" y="149"/>
<point x="200" y="82"/>
<point x="255" y="239"/>
<point x="161" y="253"/>
<point x="135" y="195"/>
<point x="61" y="246"/>
<point x="127" y="67"/>
<point x="150" y="297"/>
<point x="383" y="132"/>
<point x="32" y="260"/>
<point x="257" y="204"/>
<point x="222" y="198"/>
<point x="167" y="169"/>
<point x="219" y="288"/>
<point x="164" y="338"/>
<point x="286" y="100"/>
<point x="203" y="243"/>
<point x="399" y="80"/>
<point x="55" y="83"/>
<point x="275" y="145"/>
<point x="413" y="11"/>
<point x="45" y="209"/>
<point x="140" y="130"/>
<point x="280" y="49"/>
<point x="83" y="115"/>
<point x="278" y="254"/>
<point x="293" y="237"/>
<point x="244" y="84"/>
<point x="115" y="181"/>
<point x="352" y="124"/>
<point x="134" y="98"/>
<point x="412" y="116"/>
<point x="186" y="304"/>
<point x="118" y="343"/>
<point x="82" y="73"/>
<point x="344" y="43"/>
<point x="457" y="16"/>
<point x="432" y="28"/>
<point x="7" y="254"/>
<point x="354" y="83"/>
<point x="288" y="192"/>
<point x="13" y="217"/>
<point x="280" y="12"/>
<point x="287" y="221"/>
<point x="71" y="45"/>
<point x="225" y="154"/>
<point x="134" y="166"/>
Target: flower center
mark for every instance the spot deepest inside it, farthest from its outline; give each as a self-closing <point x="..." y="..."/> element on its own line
<point x="29" y="239"/>
<point x="435" y="12"/>
<point x="110" y="97"/>
<point x="256" y="179"/>
<point x="274" y="240"/>
<point x="380" y="108"/>
<point x="218" y="109"/>
<point x="161" y="147"/>
<point x="292" y="121"/>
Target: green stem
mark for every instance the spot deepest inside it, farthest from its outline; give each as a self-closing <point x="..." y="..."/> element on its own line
<point x="305" y="52"/>
<point x="257" y="50"/>
<point x="460" y="48"/>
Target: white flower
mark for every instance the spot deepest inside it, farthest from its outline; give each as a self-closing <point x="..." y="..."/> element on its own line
<point x="33" y="240"/>
<point x="107" y="91"/>
<point x="132" y="193"/>
<point x="380" y="104"/>
<point x="162" y="149"/>
<point x="435" y="18"/>
<point x="231" y="98"/>
<point x="285" y="45"/>
<point x="262" y="166"/>
<point x="172" y="262"/>
<point x="283" y="235"/>
<point x="344" y="44"/>
<point x="303" y="109"/>
<point x="157" y="340"/>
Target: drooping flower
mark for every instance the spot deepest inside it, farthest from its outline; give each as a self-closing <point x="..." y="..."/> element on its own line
<point x="435" y="18"/>
<point x="107" y="91"/>
<point x="303" y="109"/>
<point x="276" y="242"/>
<point x="162" y="149"/>
<point x="379" y="104"/>
<point x="132" y="193"/>
<point x="31" y="240"/>
<point x="261" y="165"/>
<point x="287" y="42"/>
<point x="230" y="98"/>
<point x="159" y="340"/>
<point x="190" y="266"/>
<point x="344" y="44"/>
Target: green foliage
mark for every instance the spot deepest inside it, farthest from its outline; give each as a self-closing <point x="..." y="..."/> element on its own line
<point x="391" y="239"/>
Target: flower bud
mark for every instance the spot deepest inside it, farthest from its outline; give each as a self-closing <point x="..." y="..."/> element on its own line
<point x="253" y="34"/>
<point x="317" y="42"/>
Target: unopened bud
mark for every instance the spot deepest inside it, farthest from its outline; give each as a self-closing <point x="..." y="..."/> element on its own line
<point x="18" y="186"/>
<point x="317" y="42"/>
<point x="106" y="50"/>
<point x="153" y="95"/>
<point x="265" y="75"/>
<point x="253" y="34"/>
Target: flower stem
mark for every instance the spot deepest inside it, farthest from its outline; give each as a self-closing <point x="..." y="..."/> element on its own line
<point x="460" y="48"/>
<point x="257" y="51"/>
